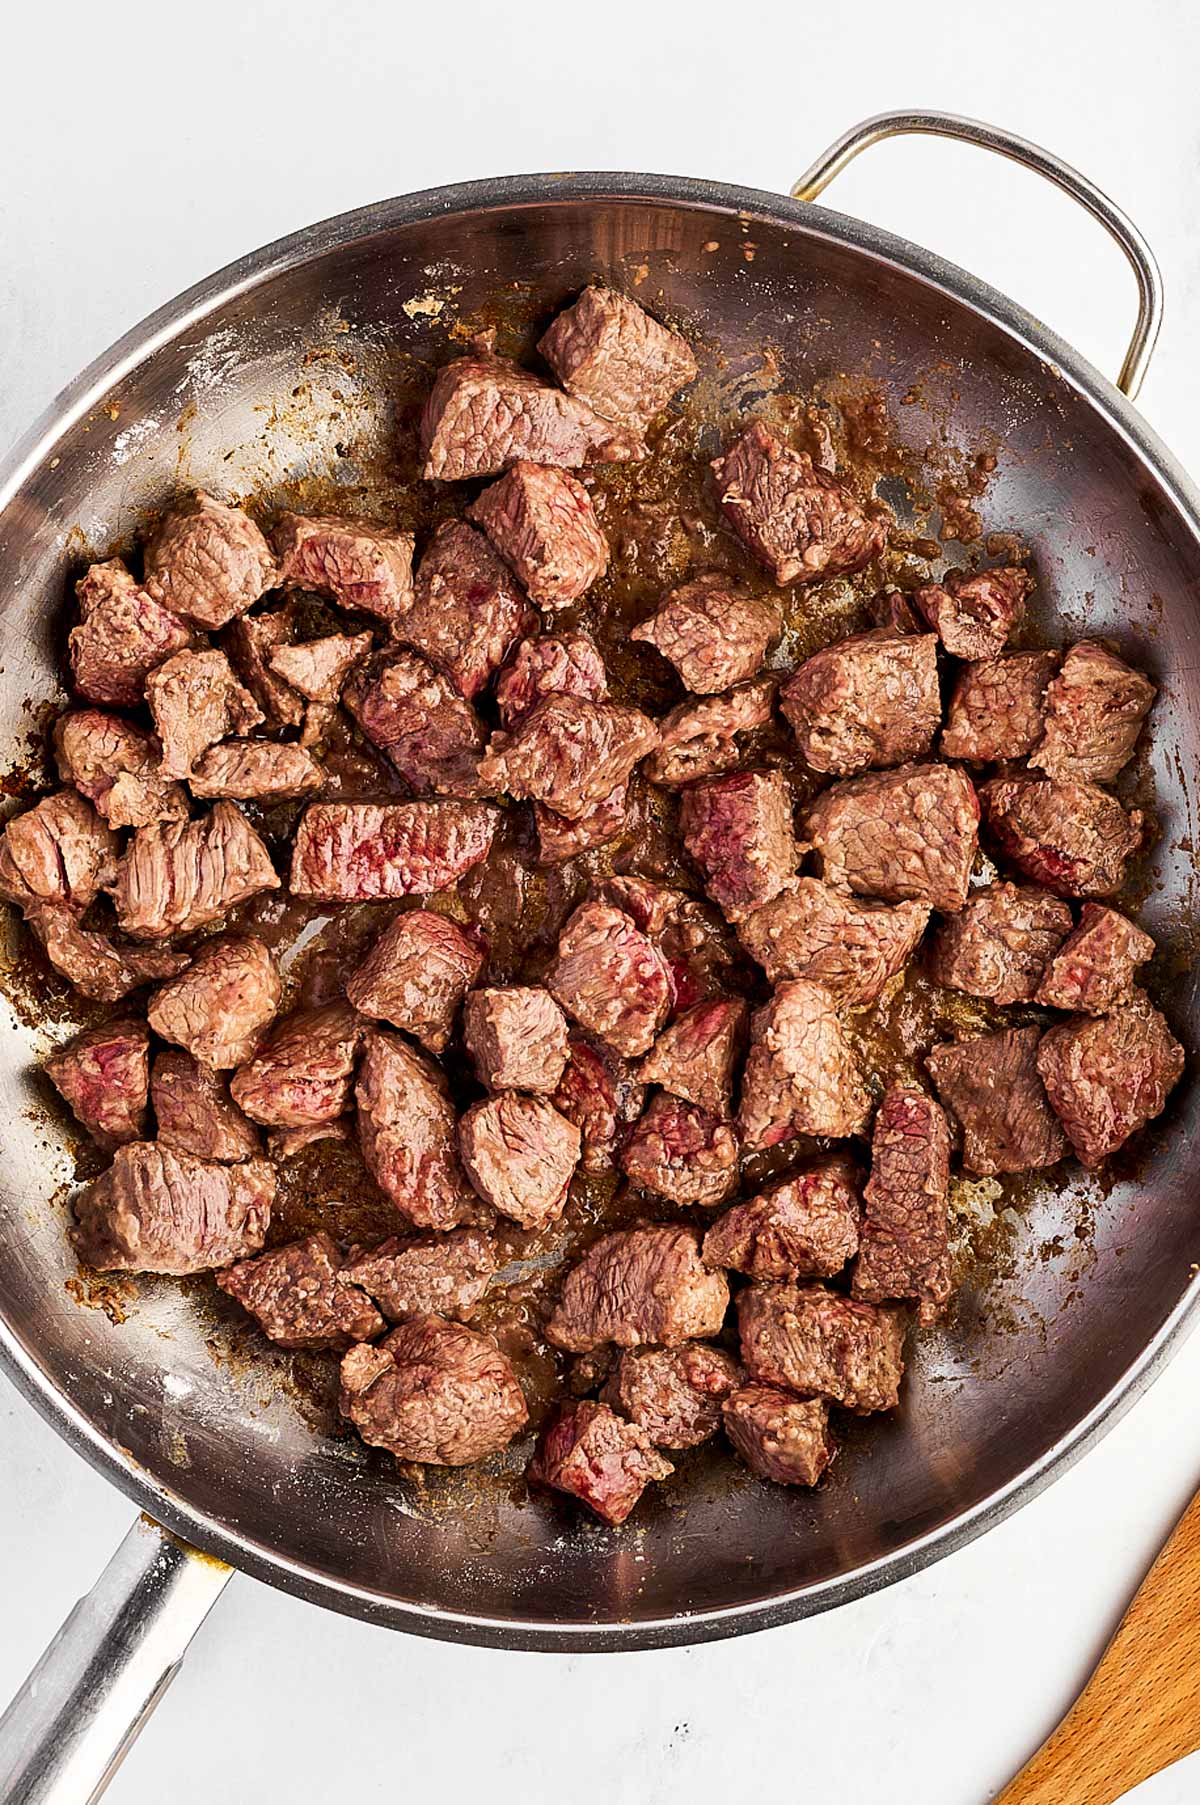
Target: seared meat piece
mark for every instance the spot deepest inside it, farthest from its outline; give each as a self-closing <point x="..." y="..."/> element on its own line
<point x="900" y="835"/>
<point x="250" y="643"/>
<point x="999" y="945"/>
<point x="700" y="739"/>
<point x="117" y="766"/>
<point x="409" y="1135"/>
<point x="806" y="1227"/>
<point x="433" y="1391"/>
<point x="104" y="1074"/>
<point x="599" y="1093"/>
<point x="778" y="1435"/>
<point x="159" y="1211"/>
<point x="796" y="519"/>
<point x="611" y="979"/>
<point x="673" y="1395"/>
<point x="318" y="668"/>
<point x="1070" y="837"/>
<point x="520" y="1154"/>
<point x="416" y="976"/>
<point x="1107" y="1078"/>
<point x="59" y="853"/>
<point x="208" y="562"/>
<point x="516" y="1037"/>
<point x="568" y="753"/>
<point x="485" y="414"/>
<point x="361" y="851"/>
<point x="256" y="771"/>
<point x="892" y="609"/>
<point x="1094" y="712"/>
<point x="302" y="1073"/>
<point x="997" y="708"/>
<point x="542" y="523"/>
<point x="560" y="839"/>
<point x="425" y="1275"/>
<point x="740" y="833"/>
<point x="565" y="664"/>
<point x="813" y="1341"/>
<point x="681" y="1152"/>
<point x="468" y="611"/>
<point x="196" y="700"/>
<point x="853" y="948"/>
<point x="690" y="935"/>
<point x="713" y="631"/>
<point x="869" y="700"/>
<point x="617" y="357"/>
<point x="1094" y="966"/>
<point x="590" y="1453"/>
<point x="91" y="961"/>
<point x="415" y="715"/>
<point x="636" y="1286"/>
<point x="123" y="635"/>
<point x="905" y="1243"/>
<point x="217" y="1009"/>
<point x="696" y="1057"/>
<point x="178" y="876"/>
<point x="974" y="615"/>
<point x="359" y="563"/>
<point x="300" y="1298"/>
<point x="801" y="1076"/>
<point x="992" y="1085"/>
<point x="194" y="1111"/>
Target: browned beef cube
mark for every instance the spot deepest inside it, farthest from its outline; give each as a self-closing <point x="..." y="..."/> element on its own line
<point x="908" y="835"/>
<point x="599" y="1093"/>
<point x="997" y="708"/>
<point x="301" y="1299"/>
<point x="681" y="1152"/>
<point x="713" y="631"/>
<point x="592" y="1454"/>
<point x="673" y="1395"/>
<point x="565" y="664"/>
<point x="778" y="1435"/>
<point x="1094" y="712"/>
<point x="303" y="1071"/>
<point x="568" y="753"/>
<point x="416" y="976"/>
<point x="806" y="1227"/>
<point x="118" y="767"/>
<point x="814" y="1342"/>
<point x="892" y="609"/>
<point x="520" y="1154"/>
<point x="426" y="1275"/>
<point x="485" y="414"/>
<point x="218" y="1008"/>
<point x="194" y="1111"/>
<point x="91" y="961"/>
<point x="974" y="615"/>
<point x="1072" y="838"/>
<point x="468" y="612"/>
<point x="560" y="839"/>
<point x="617" y="357"/>
<point x="1108" y="1077"/>
<point x="256" y="771"/>
<point x="991" y="1085"/>
<point x="361" y="851"/>
<point x="123" y="635"/>
<point x="796" y="519"/>
<point x="196" y="700"/>
<point x="517" y="1038"/>
<point x="870" y="700"/>
<point x="696" y="1057"/>
<point x="159" y="1211"/>
<point x="104" y="1074"/>
<point x="318" y="668"/>
<point x="180" y="875"/>
<point x="636" y="1286"/>
<point x="1094" y="966"/>
<point x="611" y="979"/>
<point x="801" y="1076"/>
<point x="250" y="643"/>
<point x="208" y="562"/>
<point x="58" y="853"/>
<point x="359" y="563"/>
<point x="414" y="714"/>
<point x="702" y="739"/>
<point x="433" y="1391"/>
<point x="739" y="831"/>
<point x="999" y="945"/>
<point x="690" y="934"/>
<point x="853" y="948"/>
<point x="408" y="1132"/>
<point x="542" y="523"/>
<point x="905" y="1244"/>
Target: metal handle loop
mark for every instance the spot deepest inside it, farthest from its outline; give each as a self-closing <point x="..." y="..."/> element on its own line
<point x="1116" y="223"/>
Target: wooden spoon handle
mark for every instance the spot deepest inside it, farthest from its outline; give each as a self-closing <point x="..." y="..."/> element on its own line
<point x="1140" y="1711"/>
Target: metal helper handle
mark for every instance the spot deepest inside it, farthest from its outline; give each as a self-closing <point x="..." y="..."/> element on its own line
<point x="66" y="1732"/>
<point x="1116" y="223"/>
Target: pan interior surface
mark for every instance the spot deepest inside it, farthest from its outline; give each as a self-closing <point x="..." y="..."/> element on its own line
<point x="282" y="379"/>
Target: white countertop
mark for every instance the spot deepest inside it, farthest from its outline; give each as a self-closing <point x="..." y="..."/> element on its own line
<point x="144" y="146"/>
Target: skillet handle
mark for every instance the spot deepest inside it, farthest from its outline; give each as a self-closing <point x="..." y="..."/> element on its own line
<point x="68" y="1729"/>
<point x="1116" y="223"/>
